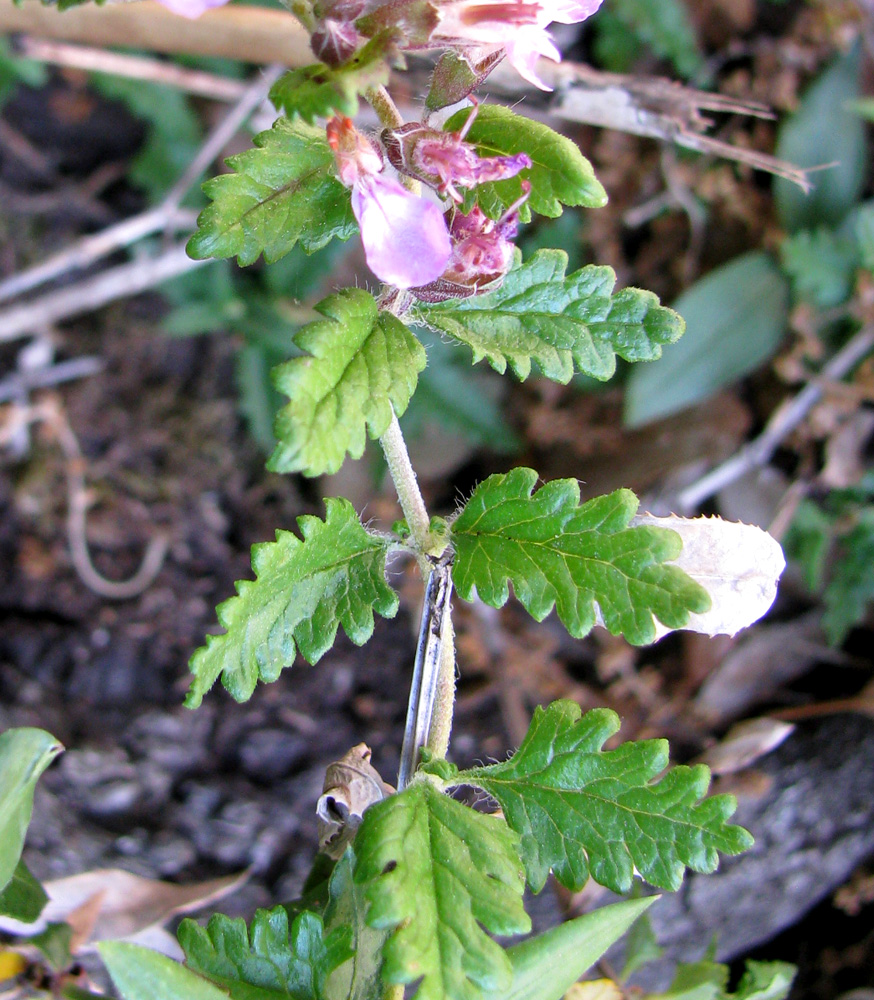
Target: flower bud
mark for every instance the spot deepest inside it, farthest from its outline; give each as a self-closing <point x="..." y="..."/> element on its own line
<point x="334" y="42"/>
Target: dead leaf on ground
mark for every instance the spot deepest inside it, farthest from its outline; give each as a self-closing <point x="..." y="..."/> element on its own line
<point x="110" y="904"/>
<point x="745" y="743"/>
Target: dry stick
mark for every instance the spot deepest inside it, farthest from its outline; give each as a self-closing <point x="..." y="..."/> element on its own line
<point x="86" y="296"/>
<point x="785" y="419"/>
<point x="94" y="60"/>
<point x="167" y="215"/>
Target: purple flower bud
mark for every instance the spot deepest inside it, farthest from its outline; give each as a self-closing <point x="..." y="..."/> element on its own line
<point x="444" y="161"/>
<point x="334" y="42"/>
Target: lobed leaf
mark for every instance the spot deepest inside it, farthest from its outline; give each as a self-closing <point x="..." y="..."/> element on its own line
<point x="268" y="960"/>
<point x="320" y="91"/>
<point x="438" y="875"/>
<point x="558" y="553"/>
<point x="282" y="192"/>
<point x="361" y="365"/>
<point x="564" y="323"/>
<point x="559" y="174"/>
<point x="303" y="591"/>
<point x="581" y="811"/>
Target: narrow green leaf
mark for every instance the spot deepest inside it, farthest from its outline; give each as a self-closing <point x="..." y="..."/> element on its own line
<point x="320" y="91"/>
<point x="55" y="945"/>
<point x="581" y="811"/>
<point x="545" y="967"/>
<point x="303" y="591"/>
<point x="824" y="132"/>
<point x="24" y="755"/>
<point x="563" y="323"/>
<point x="558" y="553"/>
<point x="142" y="974"/>
<point x="282" y="192"/>
<point x="662" y="25"/>
<point x="266" y="961"/>
<point x="641" y="947"/>
<point x="358" y="978"/>
<point x="24" y="897"/>
<point x="435" y="873"/>
<point x="559" y="175"/>
<point x="736" y="318"/>
<point x="850" y="589"/>
<point x="361" y="365"/>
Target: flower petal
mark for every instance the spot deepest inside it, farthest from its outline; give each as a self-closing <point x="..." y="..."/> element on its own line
<point x="191" y="8"/>
<point x="405" y="237"/>
<point x="571" y="11"/>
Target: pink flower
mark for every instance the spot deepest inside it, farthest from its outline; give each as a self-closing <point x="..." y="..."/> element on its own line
<point x="405" y="238"/>
<point x="516" y="26"/>
<point x="191" y="8"/>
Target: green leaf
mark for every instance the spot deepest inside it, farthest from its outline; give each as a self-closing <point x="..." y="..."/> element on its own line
<point x="850" y="589"/>
<point x="55" y="944"/>
<point x="736" y="318"/>
<point x="24" y="755"/>
<point x="824" y="131"/>
<point x="282" y="192"/>
<point x="174" y="132"/>
<point x="266" y="961"/>
<point x="358" y="978"/>
<point x="559" y="175"/>
<point x="559" y="553"/>
<point x="24" y="897"/>
<point x="303" y="592"/>
<point x="143" y="974"/>
<point x="434" y="870"/>
<point x="641" y="947"/>
<point x="545" y="967"/>
<point x="563" y="323"/>
<point x="320" y="91"/>
<point x="821" y="264"/>
<point x="361" y="365"/>
<point x="662" y="25"/>
<point x="581" y="811"/>
<point x="709" y="981"/>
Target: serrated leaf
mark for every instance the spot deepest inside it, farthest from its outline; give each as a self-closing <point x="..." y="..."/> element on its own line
<point x="268" y="960"/>
<point x="559" y="553"/>
<point x="358" y="978"/>
<point x="435" y="873"/>
<point x="303" y="591"/>
<point x="143" y="974"/>
<point x="282" y="192"/>
<point x="559" y="174"/>
<point x="563" y="323"/>
<point x="544" y="967"/>
<point x="320" y="91"/>
<point x="361" y="365"/>
<point x="581" y="811"/>
<point x="24" y="897"/>
<point x="24" y="754"/>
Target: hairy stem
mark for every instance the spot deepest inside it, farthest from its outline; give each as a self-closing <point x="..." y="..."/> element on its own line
<point x="401" y="470"/>
<point x="444" y="702"/>
<point x="381" y="102"/>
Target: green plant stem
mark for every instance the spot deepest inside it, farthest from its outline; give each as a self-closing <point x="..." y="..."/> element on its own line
<point x="444" y="703"/>
<point x="386" y="109"/>
<point x="401" y="470"/>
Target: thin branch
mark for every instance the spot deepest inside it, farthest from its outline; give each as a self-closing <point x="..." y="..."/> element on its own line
<point x="784" y="420"/>
<point x="94" y="60"/>
<point x="86" y="296"/>
<point x="22" y="382"/>
<point x="165" y="216"/>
